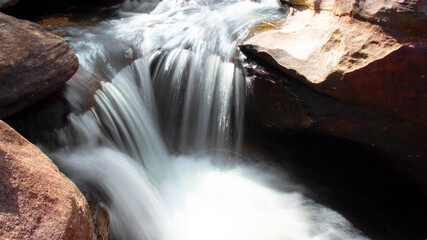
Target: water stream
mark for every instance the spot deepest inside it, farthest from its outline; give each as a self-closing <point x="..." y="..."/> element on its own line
<point x="160" y="145"/>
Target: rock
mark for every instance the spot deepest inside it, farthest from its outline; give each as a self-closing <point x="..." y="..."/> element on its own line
<point x="101" y="221"/>
<point x="368" y="9"/>
<point x="7" y="3"/>
<point x="36" y="200"/>
<point x="351" y="60"/>
<point x="282" y="105"/>
<point x="406" y="20"/>
<point x="33" y="64"/>
<point x="340" y="7"/>
<point x="338" y="73"/>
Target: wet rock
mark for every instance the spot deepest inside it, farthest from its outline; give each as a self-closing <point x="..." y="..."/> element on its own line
<point x="278" y="110"/>
<point x="101" y="221"/>
<point x="33" y="64"/>
<point x="36" y="200"/>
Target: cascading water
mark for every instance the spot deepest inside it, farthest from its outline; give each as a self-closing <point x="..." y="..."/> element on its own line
<point x="171" y="83"/>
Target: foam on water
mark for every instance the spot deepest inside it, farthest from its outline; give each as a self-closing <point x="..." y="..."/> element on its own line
<point x="170" y="82"/>
<point x="200" y="200"/>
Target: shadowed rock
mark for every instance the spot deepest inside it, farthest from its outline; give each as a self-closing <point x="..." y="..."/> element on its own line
<point x="33" y="64"/>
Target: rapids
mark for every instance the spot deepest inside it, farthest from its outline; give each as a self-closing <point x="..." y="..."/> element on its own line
<point x="159" y="147"/>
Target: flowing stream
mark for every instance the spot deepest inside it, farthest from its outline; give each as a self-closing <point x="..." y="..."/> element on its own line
<point x="159" y="146"/>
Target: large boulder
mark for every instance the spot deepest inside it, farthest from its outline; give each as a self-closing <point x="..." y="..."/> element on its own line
<point x="349" y="59"/>
<point x="367" y="8"/>
<point x="33" y="64"/>
<point x="339" y="74"/>
<point x="282" y="104"/>
<point x="36" y="200"/>
<point x="406" y="20"/>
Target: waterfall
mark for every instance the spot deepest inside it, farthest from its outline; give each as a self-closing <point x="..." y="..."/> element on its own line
<point x="155" y="146"/>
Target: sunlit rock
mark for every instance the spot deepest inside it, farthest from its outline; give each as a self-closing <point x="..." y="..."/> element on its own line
<point x="349" y="59"/>
<point x="354" y="79"/>
<point x="406" y="19"/>
<point x="36" y="200"/>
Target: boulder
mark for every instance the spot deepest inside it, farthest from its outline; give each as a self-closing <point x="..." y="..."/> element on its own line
<point x="330" y="71"/>
<point x="33" y="64"/>
<point x="406" y="20"/>
<point x="368" y="9"/>
<point x="351" y="60"/>
<point x="36" y="200"/>
<point x="282" y="104"/>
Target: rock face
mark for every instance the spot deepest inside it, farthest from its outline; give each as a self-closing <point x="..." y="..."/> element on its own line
<point x="404" y="19"/>
<point x="367" y="8"/>
<point x="33" y="64"/>
<point x="351" y="60"/>
<point x="353" y="79"/>
<point x="36" y="200"/>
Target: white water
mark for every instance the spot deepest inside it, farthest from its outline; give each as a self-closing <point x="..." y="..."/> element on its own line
<point x="190" y="104"/>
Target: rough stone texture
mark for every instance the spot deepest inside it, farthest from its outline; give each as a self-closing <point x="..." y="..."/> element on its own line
<point x="348" y="67"/>
<point x="36" y="200"/>
<point x="406" y="20"/>
<point x="317" y="45"/>
<point x="284" y="104"/>
<point x="101" y="221"/>
<point x="349" y="59"/>
<point x="366" y="8"/>
<point x="33" y="64"/>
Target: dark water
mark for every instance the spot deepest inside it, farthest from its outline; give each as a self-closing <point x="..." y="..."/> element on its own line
<point x="351" y="179"/>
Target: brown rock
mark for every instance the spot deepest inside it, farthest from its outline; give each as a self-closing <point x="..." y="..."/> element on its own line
<point x="351" y="78"/>
<point x="284" y="105"/>
<point x="33" y="64"/>
<point x="349" y="59"/>
<point x="36" y="200"/>
<point x="101" y="221"/>
<point x="406" y="20"/>
<point x="277" y="109"/>
<point x="366" y="8"/>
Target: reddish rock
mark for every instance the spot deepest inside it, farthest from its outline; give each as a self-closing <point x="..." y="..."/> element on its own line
<point x="36" y="200"/>
<point x="395" y="85"/>
<point x="406" y="20"/>
<point x="351" y="78"/>
<point x="282" y="105"/>
<point x="351" y="60"/>
<point x="33" y="64"/>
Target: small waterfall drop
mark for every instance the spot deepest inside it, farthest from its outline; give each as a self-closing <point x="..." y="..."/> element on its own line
<point x="170" y="83"/>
